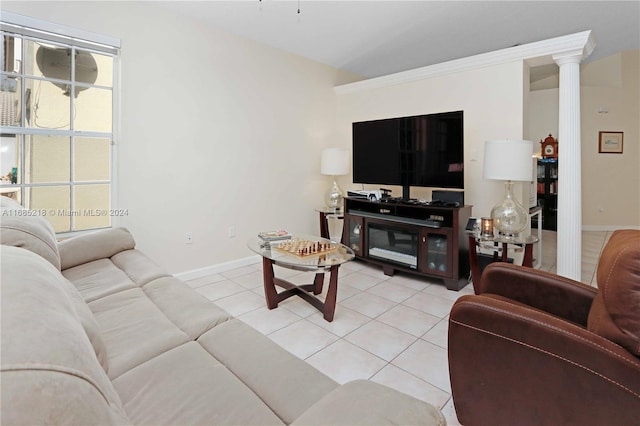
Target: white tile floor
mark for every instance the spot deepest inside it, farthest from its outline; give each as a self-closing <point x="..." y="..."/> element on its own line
<point x="392" y="330"/>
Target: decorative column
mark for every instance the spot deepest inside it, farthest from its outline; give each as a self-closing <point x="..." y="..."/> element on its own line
<point x="569" y="255"/>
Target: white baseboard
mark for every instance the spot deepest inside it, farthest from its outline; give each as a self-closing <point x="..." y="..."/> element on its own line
<point x="218" y="268"/>
<point x="607" y="228"/>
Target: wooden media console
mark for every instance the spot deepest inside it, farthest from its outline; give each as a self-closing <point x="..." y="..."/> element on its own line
<point x="410" y="236"/>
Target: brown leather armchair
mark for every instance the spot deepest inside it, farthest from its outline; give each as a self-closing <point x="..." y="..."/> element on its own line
<point x="534" y="348"/>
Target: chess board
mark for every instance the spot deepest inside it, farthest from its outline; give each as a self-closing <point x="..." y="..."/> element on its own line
<point x="304" y="248"/>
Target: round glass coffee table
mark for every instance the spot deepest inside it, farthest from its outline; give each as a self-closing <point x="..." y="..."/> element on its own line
<point x="306" y="253"/>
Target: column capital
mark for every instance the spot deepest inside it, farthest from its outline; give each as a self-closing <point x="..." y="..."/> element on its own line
<point x="575" y="54"/>
<point x="571" y="57"/>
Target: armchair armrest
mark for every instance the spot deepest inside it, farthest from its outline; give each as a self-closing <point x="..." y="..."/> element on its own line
<point x="532" y="368"/>
<point x="549" y="292"/>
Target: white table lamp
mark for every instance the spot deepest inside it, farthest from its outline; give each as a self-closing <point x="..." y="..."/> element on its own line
<point x="508" y="160"/>
<point x="335" y="162"/>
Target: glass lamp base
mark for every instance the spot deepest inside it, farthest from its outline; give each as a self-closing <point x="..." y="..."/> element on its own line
<point x="333" y="197"/>
<point x="509" y="217"/>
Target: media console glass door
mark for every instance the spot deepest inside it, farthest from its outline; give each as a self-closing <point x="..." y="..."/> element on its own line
<point x="436" y="256"/>
<point x="354" y="234"/>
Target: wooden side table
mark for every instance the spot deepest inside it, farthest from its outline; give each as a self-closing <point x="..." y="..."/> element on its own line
<point x="499" y="245"/>
<point x="537" y="211"/>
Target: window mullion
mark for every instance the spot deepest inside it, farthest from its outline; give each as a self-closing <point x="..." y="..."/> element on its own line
<point x="54" y="132"/>
<point x="72" y="124"/>
<point x="72" y="195"/>
<point x="22" y="171"/>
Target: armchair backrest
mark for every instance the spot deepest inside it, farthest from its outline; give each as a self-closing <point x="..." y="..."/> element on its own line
<point x="615" y="312"/>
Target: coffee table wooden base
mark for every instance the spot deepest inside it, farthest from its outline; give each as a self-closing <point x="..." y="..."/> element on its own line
<point x="327" y="307"/>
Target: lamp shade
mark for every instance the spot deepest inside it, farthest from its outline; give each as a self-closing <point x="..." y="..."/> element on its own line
<point x="335" y="162"/>
<point x="508" y="160"/>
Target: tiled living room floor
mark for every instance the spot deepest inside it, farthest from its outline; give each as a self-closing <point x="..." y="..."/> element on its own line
<point x="391" y="330"/>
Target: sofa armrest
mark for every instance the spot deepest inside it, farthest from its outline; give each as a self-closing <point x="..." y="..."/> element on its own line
<point x="96" y="245"/>
<point x="511" y="364"/>
<point x="549" y="292"/>
<point x="363" y="402"/>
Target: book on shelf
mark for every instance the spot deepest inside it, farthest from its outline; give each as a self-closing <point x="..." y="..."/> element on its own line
<point x="274" y="235"/>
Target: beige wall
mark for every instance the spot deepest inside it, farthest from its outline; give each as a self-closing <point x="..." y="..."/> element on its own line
<point x="492" y="99"/>
<point x="610" y="182"/>
<point x="216" y="131"/>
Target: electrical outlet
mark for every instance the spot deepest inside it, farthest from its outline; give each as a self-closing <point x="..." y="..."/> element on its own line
<point x="188" y="238"/>
<point x="231" y="231"/>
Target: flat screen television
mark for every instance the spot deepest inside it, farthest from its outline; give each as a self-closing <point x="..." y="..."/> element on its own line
<point x="423" y="150"/>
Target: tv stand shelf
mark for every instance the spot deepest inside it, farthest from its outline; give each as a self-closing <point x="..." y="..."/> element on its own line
<point x="416" y="238"/>
<point x="399" y="219"/>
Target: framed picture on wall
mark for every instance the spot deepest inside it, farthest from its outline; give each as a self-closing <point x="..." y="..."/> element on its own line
<point x="610" y="142"/>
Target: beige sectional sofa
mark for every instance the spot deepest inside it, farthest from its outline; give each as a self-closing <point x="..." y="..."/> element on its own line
<point x="93" y="332"/>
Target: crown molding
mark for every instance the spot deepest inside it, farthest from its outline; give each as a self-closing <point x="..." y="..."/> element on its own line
<point x="535" y="54"/>
<point x="32" y="26"/>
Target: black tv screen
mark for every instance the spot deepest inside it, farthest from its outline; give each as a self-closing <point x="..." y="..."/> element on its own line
<point x="424" y="150"/>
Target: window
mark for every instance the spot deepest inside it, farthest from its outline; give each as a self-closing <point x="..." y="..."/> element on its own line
<point x="57" y="124"/>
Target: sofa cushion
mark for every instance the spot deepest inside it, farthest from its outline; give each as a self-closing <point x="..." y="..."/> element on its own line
<point x="98" y="279"/>
<point x="138" y="267"/>
<point x="190" y="311"/>
<point x="288" y="385"/>
<point x="362" y="402"/>
<point x="50" y="373"/>
<point x="94" y="246"/>
<point x="134" y="329"/>
<point x="614" y="313"/>
<point x="24" y="228"/>
<point x="187" y="386"/>
<point x="88" y="322"/>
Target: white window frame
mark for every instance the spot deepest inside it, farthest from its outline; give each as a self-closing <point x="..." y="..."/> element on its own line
<point x="49" y="31"/>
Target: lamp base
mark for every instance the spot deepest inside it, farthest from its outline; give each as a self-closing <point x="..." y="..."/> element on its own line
<point x="509" y="216"/>
<point x="333" y="197"/>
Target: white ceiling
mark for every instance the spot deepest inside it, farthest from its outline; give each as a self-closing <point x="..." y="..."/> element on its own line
<point x="375" y="38"/>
